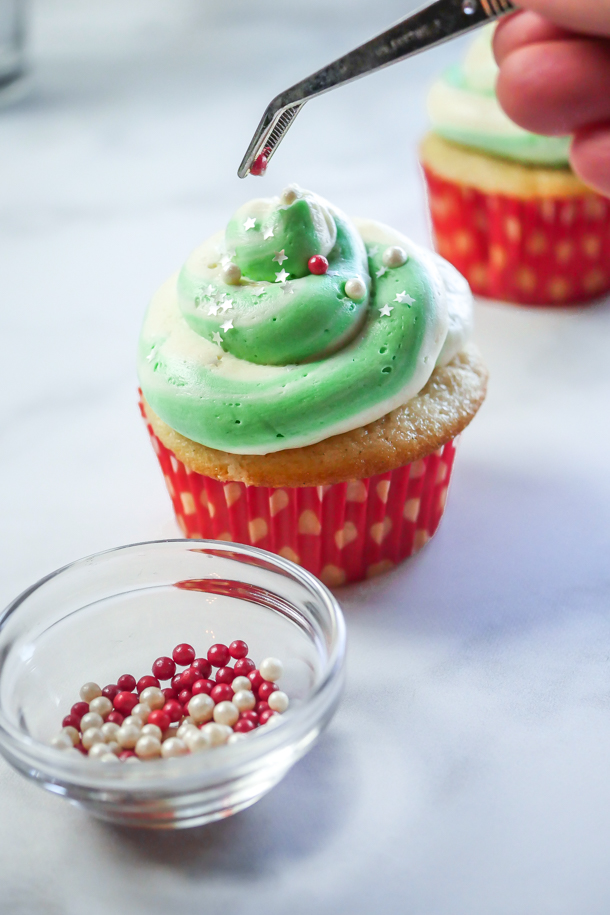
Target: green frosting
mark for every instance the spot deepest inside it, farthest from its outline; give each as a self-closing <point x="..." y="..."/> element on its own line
<point x="302" y="360"/>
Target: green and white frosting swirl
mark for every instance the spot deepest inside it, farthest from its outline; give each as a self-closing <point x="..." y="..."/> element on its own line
<point x="245" y="350"/>
<point x="463" y="107"/>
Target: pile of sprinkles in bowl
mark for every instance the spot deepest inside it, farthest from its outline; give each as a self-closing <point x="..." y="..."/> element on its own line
<point x="132" y="721"/>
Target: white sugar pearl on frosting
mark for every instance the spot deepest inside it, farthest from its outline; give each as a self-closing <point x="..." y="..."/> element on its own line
<point x="236" y="737"/>
<point x="128" y="735"/>
<point x="113" y="747"/>
<point x="271" y="669"/>
<point x="152" y="697"/>
<point x="394" y="256"/>
<point x="231" y="275"/>
<point x="197" y="741"/>
<point x="226" y="713"/>
<point x="185" y="728"/>
<point x="244" y="699"/>
<point x="109" y="758"/>
<point x="90" y="691"/>
<point x="240" y="683"/>
<point x="91" y="720"/>
<point x="132" y="721"/>
<point x="278" y="701"/>
<point x="72" y="733"/>
<point x="201" y="708"/>
<point x="132" y="759"/>
<point x="216" y="733"/>
<point x="148" y="747"/>
<point x="289" y="195"/>
<point x="92" y="736"/>
<point x="142" y="711"/>
<point x="355" y="289"/>
<point x="62" y="742"/>
<point x="151" y="730"/>
<point x="98" y="750"/>
<point x="109" y="729"/>
<point x="101" y="705"/>
<point x="173" y="747"/>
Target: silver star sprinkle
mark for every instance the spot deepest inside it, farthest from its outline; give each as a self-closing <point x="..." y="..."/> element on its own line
<point x="280" y="257"/>
<point x="258" y="291"/>
<point x="281" y="277"/>
<point x="403" y="298"/>
<point x="213" y="309"/>
<point x="152" y="354"/>
<point x="386" y="311"/>
<point x="373" y="251"/>
<point x="228" y="325"/>
<point x="227" y="305"/>
<point x="217" y="338"/>
<point x="268" y="233"/>
<point x="210" y="290"/>
<point x="249" y="223"/>
<point x="381" y="272"/>
<point x="287" y="289"/>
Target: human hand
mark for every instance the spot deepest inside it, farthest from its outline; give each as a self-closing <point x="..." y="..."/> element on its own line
<point x="554" y="59"/>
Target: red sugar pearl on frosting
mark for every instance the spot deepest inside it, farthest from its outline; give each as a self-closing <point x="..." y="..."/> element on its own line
<point x="203" y="686"/>
<point x="243" y="726"/>
<point x="243" y="667"/>
<point x="126" y="683"/>
<point x="203" y="666"/>
<point x="111" y="690"/>
<point x="317" y="264"/>
<point x="177" y="683"/>
<point x="124" y="702"/>
<point x="238" y="649"/>
<point x="218" y="655"/>
<point x="71" y="721"/>
<point x="173" y="708"/>
<point x="170" y="693"/>
<point x="256" y="679"/>
<point x="185" y="696"/>
<point x="250" y="715"/>
<point x="145" y="682"/>
<point x="265" y="689"/>
<point x="126" y="754"/>
<point x="79" y="709"/>
<point x="189" y="676"/>
<point x="183" y="654"/>
<point x="222" y="692"/>
<point x="164" y="668"/>
<point x="116" y="718"/>
<point x="225" y="675"/>
<point x="266" y="715"/>
<point x="160" y="718"/>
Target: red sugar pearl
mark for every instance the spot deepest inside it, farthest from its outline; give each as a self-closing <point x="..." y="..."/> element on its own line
<point x="110" y="691"/>
<point x="250" y="715"/>
<point x="164" y="668"/>
<point x="116" y="718"/>
<point x="265" y="689"/>
<point x="185" y="696"/>
<point x="266" y="715"/>
<point x="238" y="649"/>
<point x="243" y="726"/>
<point x="317" y="264"/>
<point x="243" y="667"/>
<point x="80" y="747"/>
<point x="79" y="709"/>
<point x="160" y="718"/>
<point x="203" y="686"/>
<point x="170" y="693"/>
<point x="203" y="666"/>
<point x="183" y="654"/>
<point x="126" y="683"/>
<point x="225" y="675"/>
<point x="124" y="702"/>
<point x="261" y="707"/>
<point x="173" y="709"/>
<point x="256" y="679"/>
<point x="71" y="721"/>
<point x="222" y="692"/>
<point x="177" y="683"/>
<point x="126" y="754"/>
<point x="218" y="655"/>
<point x="145" y="682"/>
<point x="259" y="166"/>
<point x="189" y="676"/>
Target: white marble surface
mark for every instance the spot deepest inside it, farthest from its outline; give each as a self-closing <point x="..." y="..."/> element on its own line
<point x="466" y="772"/>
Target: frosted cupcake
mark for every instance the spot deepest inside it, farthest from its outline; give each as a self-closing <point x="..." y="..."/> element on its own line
<point x="304" y="378"/>
<point x="506" y="208"/>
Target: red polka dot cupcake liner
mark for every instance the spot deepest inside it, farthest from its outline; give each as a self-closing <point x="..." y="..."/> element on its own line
<point x="544" y="251"/>
<point x="341" y="533"/>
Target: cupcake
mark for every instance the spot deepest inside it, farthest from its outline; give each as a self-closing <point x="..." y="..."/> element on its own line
<point x="507" y="210"/>
<point x="304" y="378"/>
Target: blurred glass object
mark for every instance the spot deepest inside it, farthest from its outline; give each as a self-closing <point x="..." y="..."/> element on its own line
<point x="12" y="49"/>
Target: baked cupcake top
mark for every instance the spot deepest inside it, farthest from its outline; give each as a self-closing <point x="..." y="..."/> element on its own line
<point x="248" y="351"/>
<point x="463" y="107"/>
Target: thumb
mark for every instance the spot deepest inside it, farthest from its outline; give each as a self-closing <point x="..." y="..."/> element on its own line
<point x="589" y="17"/>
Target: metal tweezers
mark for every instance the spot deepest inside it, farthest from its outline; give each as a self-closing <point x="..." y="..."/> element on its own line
<point x="424" y="29"/>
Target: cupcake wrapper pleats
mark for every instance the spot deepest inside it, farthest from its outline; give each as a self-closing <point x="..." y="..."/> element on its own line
<point x="343" y="532"/>
<point x="546" y="251"/>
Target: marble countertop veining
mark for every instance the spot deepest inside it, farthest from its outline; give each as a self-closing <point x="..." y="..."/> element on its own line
<point x="466" y="772"/>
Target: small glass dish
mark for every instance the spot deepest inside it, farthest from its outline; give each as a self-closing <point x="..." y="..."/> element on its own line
<point x="115" y="612"/>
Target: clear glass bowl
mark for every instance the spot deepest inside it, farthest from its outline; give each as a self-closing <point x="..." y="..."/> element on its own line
<point x="114" y="613"/>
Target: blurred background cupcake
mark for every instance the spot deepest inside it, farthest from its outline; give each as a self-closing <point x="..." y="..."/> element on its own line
<point x="506" y="208"/>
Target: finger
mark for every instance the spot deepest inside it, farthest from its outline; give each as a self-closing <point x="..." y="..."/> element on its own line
<point x="522" y="29"/>
<point x="591" y="17"/>
<point x="557" y="87"/>
<point x="590" y="157"/>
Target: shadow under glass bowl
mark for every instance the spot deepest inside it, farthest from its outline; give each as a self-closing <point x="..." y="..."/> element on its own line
<point x="114" y="613"/>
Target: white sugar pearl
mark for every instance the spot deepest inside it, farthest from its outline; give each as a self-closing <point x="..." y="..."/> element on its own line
<point x="92" y="736"/>
<point x="98" y="750"/>
<point x="355" y="289"/>
<point x="62" y="742"/>
<point x="109" y="729"/>
<point x="236" y="737"/>
<point x="72" y="734"/>
<point x="142" y="711"/>
<point x="271" y="669"/>
<point x="185" y="728"/>
<point x="148" y="747"/>
<point x="151" y="730"/>
<point x="231" y="274"/>
<point x="289" y="194"/>
<point x="128" y="735"/>
<point x="172" y="731"/>
<point x="201" y="708"/>
<point x="132" y="721"/>
<point x="278" y="701"/>
<point x="197" y="741"/>
<point x="244" y="700"/>
<point x="89" y="691"/>
<point x="394" y="256"/>
<point x="226" y="713"/>
<point x="217" y="734"/>
<point x="113" y="747"/>
<point x="132" y="759"/>
<point x="109" y="758"/>
<point x="153" y="697"/>
<point x="101" y="705"/>
<point x="91" y="720"/>
<point x="240" y="683"/>
<point x="173" y="747"/>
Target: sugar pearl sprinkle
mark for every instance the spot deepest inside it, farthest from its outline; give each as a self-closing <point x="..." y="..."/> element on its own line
<point x="137" y="720"/>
